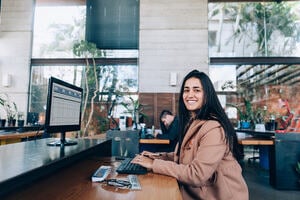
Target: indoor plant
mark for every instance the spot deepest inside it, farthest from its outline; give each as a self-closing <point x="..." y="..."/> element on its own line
<point x="2" y="121"/>
<point x="246" y="114"/>
<point x="135" y="108"/>
<point x="10" y="108"/>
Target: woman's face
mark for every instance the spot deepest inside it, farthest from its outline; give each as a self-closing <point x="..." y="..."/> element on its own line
<point x="193" y="94"/>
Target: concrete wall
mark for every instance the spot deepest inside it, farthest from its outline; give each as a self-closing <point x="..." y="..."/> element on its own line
<point x="15" y="48"/>
<point x="173" y="38"/>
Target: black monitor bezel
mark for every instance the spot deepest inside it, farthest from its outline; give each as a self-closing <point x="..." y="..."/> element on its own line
<point x="61" y="128"/>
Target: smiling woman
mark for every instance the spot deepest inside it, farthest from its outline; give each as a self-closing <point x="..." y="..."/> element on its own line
<point x="205" y="159"/>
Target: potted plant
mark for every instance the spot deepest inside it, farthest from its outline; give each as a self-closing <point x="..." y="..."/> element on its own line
<point x="245" y="111"/>
<point x="11" y="110"/>
<point x="246" y="114"/>
<point x="20" y="119"/>
<point x="135" y="109"/>
<point x="2" y="121"/>
<point x="260" y="118"/>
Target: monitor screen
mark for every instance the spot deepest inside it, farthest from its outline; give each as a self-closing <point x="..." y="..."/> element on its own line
<point x="63" y="111"/>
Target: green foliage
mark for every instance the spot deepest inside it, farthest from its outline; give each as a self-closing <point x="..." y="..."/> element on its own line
<point x="134" y="108"/>
<point x="260" y="23"/>
<point x="260" y="115"/>
<point x="100" y="85"/>
<point x="245" y="111"/>
<point x="86" y="49"/>
<point x="91" y="79"/>
<point x="268" y="19"/>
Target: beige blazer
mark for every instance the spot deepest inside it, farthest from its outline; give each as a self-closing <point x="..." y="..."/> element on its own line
<point x="206" y="169"/>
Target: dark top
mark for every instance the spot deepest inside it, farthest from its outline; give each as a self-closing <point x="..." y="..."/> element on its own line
<point x="171" y="134"/>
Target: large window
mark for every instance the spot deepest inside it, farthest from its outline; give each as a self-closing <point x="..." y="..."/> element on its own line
<point x="257" y="46"/>
<point x="59" y="50"/>
<point x="251" y="29"/>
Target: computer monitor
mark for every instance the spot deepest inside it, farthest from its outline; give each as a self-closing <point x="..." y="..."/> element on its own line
<point x="63" y="111"/>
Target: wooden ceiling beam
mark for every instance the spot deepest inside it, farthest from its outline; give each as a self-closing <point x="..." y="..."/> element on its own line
<point x="269" y="78"/>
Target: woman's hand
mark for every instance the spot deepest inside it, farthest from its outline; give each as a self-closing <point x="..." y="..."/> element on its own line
<point x="143" y="161"/>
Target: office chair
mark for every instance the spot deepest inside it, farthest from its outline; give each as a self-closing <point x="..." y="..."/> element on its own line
<point x="124" y="143"/>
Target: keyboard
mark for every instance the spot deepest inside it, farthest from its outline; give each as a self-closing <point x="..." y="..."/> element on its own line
<point x="126" y="167"/>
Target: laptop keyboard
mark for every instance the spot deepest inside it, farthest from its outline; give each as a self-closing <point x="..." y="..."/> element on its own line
<point x="126" y="167"/>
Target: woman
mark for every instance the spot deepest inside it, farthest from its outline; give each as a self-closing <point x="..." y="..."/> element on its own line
<point x="205" y="159"/>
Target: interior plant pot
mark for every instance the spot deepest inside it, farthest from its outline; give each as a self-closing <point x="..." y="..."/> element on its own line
<point x="11" y="122"/>
<point x="245" y="125"/>
<point x="20" y="122"/>
<point x="2" y="122"/>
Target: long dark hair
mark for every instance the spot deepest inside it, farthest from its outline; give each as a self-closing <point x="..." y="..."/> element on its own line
<point x="162" y="125"/>
<point x="210" y="110"/>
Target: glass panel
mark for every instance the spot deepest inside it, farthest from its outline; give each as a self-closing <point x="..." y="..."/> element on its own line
<point x="254" y="29"/>
<point x="113" y="80"/>
<point x="271" y="87"/>
<point x="266" y="94"/>
<point x="113" y="24"/>
<point x="222" y="76"/>
<point x="56" y="29"/>
<point x="224" y="80"/>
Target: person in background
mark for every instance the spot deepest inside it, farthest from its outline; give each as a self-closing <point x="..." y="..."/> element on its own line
<point x="205" y="159"/>
<point x="169" y="128"/>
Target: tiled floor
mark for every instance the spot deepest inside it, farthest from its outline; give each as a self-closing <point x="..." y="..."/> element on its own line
<point x="257" y="180"/>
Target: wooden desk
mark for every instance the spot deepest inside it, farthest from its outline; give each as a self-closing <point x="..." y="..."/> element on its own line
<point x="154" y="141"/>
<point x="263" y="144"/>
<point x="256" y="141"/>
<point x="13" y="137"/>
<point x="25" y="162"/>
<point x="74" y="183"/>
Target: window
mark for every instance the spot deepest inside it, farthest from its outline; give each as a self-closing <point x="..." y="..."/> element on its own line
<point x="57" y="29"/>
<point x="247" y="29"/>
<point x="258" y="48"/>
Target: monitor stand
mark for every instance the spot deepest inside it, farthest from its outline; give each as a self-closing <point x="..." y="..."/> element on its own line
<point x="62" y="141"/>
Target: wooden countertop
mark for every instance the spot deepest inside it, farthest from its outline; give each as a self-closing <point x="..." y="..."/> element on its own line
<point x="256" y="141"/>
<point x="21" y="135"/>
<point x="25" y="162"/>
<point x="74" y="182"/>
